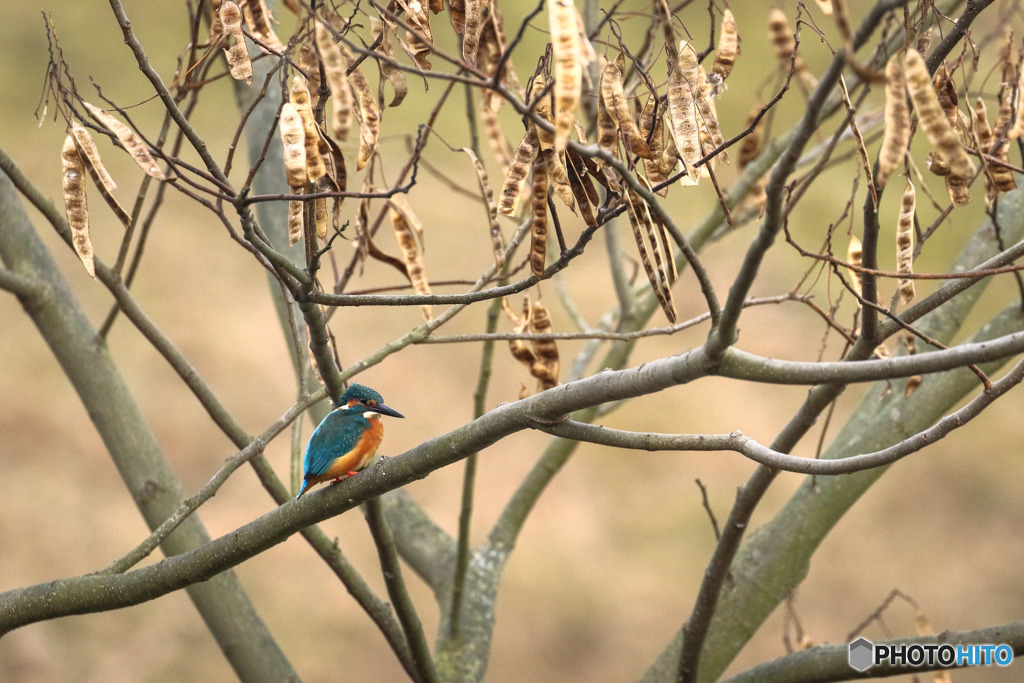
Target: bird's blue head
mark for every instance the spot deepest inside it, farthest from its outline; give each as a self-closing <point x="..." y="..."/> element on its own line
<point x="360" y="399"/>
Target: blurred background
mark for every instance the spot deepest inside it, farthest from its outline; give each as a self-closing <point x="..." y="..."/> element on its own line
<point x="608" y="567"/>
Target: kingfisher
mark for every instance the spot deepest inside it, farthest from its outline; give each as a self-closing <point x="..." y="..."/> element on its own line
<point x="347" y="439"/>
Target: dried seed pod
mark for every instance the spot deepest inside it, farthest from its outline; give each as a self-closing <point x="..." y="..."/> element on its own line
<point x="682" y="89"/>
<point x="315" y="168"/>
<point x="457" y="14"/>
<point x="258" y="17"/>
<point x="577" y="184"/>
<point x="295" y="224"/>
<point x="979" y="117"/>
<point x="565" y="46"/>
<point x="640" y="221"/>
<point x="75" y="205"/>
<point x="412" y="257"/>
<point x="998" y="147"/>
<point x="728" y="50"/>
<point x="655" y="140"/>
<point x="216" y="25"/>
<point x="855" y="257"/>
<point x="131" y="142"/>
<point x="945" y="91"/>
<point x="395" y="76"/>
<point x="559" y="178"/>
<point x="471" y="20"/>
<point x="337" y="80"/>
<point x="239" y="65"/>
<point x="541" y="102"/>
<point x="309" y="63"/>
<point x="783" y="42"/>
<point x="607" y="132"/>
<point x="104" y="183"/>
<point x="91" y="155"/>
<point x="707" y="120"/>
<point x="912" y="384"/>
<point x="517" y="172"/>
<point x="615" y="100"/>
<point x="519" y="348"/>
<point x="958" y="189"/>
<point x="936" y="125"/>
<point x="496" y="138"/>
<point x="905" y="243"/>
<point x="369" y="115"/>
<point x="545" y="367"/>
<point x="418" y="40"/>
<point x="293" y="141"/>
<point x="539" y="226"/>
<point x="320" y="215"/>
<point x="497" y="243"/>
<point x="897" y="122"/>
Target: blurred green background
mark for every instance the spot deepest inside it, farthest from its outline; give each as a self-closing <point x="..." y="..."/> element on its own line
<point x="609" y="565"/>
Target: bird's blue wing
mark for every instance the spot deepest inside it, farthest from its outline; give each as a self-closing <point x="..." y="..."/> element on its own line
<point x="338" y="434"/>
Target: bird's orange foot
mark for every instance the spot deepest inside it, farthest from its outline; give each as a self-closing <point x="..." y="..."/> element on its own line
<point x="340" y="479"/>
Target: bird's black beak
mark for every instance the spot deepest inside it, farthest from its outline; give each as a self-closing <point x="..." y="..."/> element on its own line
<point x="383" y="410"/>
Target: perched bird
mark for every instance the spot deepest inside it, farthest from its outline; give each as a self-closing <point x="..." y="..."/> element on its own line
<point x="347" y="439"/>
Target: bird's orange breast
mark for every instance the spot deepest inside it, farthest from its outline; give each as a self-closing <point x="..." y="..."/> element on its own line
<point x="357" y="458"/>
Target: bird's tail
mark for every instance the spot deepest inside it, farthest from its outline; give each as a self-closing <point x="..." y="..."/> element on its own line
<point x="305" y="487"/>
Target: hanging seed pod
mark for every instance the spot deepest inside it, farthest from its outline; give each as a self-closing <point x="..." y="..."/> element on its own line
<point x="396" y="77"/>
<point x="259" y="19"/>
<point x="471" y="21"/>
<point x="496" y="138"/>
<point x="420" y="41"/>
<point x="640" y="221"/>
<point x="517" y="172"/>
<point x="545" y="367"/>
<point x="912" y="384"/>
<point x="855" y="256"/>
<point x="75" y="205"/>
<point x="541" y="103"/>
<point x="945" y="92"/>
<point x="728" y="50"/>
<point x="682" y="84"/>
<point x="91" y="155"/>
<point x="497" y="243"/>
<point x="559" y="178"/>
<point x="539" y="226"/>
<point x="295" y="225"/>
<point x="315" y="168"/>
<point x="614" y="100"/>
<point x="131" y="142"/>
<point x="933" y="120"/>
<point x="239" y="65"/>
<point x="104" y="183"/>
<point x="293" y="141"/>
<point x="579" y="191"/>
<point x="519" y="349"/>
<point x="897" y="122"/>
<point x="905" y="243"/>
<point x="783" y="41"/>
<point x="412" y="257"/>
<point x="216" y="25"/>
<point x="565" y="46"/>
<point x="369" y="115"/>
<point x="337" y="81"/>
<point x="309" y="63"/>
<point x="997" y="147"/>
<point x="655" y="142"/>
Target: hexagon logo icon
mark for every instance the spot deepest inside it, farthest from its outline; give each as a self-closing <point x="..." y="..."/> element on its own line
<point x="862" y="654"/>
